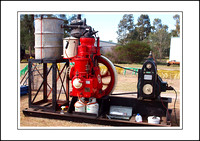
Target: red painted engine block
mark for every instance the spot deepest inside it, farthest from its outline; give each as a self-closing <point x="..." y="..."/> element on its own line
<point x="85" y="73"/>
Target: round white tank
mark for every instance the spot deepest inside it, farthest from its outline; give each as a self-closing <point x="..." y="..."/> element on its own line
<point x="48" y="38"/>
<point x="92" y="107"/>
<point x="80" y="105"/>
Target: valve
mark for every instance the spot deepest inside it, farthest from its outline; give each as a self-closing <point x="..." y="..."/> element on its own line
<point x="80" y="28"/>
<point x="62" y="109"/>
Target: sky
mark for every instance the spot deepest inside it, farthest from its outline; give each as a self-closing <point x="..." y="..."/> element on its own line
<point x="107" y="23"/>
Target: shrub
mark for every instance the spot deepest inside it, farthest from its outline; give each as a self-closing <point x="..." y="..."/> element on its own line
<point x="132" y="52"/>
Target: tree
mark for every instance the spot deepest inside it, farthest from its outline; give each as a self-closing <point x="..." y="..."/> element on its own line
<point x="132" y="52"/>
<point x="126" y="29"/>
<point x="176" y="32"/>
<point x="156" y="25"/>
<point x="27" y="38"/>
<point x="159" y="39"/>
<point x="143" y="27"/>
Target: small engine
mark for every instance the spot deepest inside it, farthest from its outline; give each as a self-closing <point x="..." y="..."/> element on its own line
<point x="150" y="84"/>
<point x="87" y="79"/>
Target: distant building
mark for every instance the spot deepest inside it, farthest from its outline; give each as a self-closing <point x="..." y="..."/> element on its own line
<point x="175" y="49"/>
<point x="106" y="46"/>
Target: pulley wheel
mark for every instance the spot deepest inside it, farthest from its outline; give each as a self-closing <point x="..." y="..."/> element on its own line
<point x="108" y="74"/>
<point x="147" y="89"/>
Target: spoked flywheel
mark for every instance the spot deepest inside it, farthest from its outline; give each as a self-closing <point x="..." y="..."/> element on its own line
<point x="108" y="74"/>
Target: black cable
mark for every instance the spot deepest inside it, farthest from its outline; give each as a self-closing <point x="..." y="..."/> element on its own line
<point x="175" y="106"/>
<point x="171" y="88"/>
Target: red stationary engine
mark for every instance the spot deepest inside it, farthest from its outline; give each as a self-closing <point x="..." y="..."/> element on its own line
<point x="92" y="74"/>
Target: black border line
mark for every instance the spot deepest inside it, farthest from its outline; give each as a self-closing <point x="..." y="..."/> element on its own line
<point x="103" y="127"/>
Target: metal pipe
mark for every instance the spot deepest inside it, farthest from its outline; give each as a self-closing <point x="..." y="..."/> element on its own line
<point x="125" y="68"/>
<point x="41" y="37"/>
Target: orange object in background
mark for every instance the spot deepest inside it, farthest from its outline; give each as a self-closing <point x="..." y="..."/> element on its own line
<point x="172" y="62"/>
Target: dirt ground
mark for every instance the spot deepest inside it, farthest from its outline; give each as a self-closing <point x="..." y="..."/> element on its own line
<point x="125" y="83"/>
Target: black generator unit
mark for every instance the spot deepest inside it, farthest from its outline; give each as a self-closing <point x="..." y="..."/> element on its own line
<point x="150" y="84"/>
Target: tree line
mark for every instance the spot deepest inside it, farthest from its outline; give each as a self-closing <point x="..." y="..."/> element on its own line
<point x="155" y="37"/>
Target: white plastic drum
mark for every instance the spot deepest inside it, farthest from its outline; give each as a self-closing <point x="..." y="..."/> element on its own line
<point x="70" y="47"/>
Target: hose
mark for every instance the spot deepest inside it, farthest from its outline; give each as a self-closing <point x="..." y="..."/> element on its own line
<point x="125" y="68"/>
<point x="175" y="107"/>
<point x="171" y="88"/>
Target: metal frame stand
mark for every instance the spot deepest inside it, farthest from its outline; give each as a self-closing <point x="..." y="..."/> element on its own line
<point x="51" y="105"/>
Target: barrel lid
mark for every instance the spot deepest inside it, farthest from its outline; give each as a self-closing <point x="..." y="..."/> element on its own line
<point x="72" y="38"/>
<point x="52" y="18"/>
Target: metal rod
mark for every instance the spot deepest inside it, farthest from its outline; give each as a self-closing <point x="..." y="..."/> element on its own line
<point x="54" y="86"/>
<point x="25" y="80"/>
<point x="41" y="37"/>
<point x="29" y="81"/>
<point x="40" y="86"/>
<point x="125" y="68"/>
<point x="125" y="93"/>
<point x="28" y="76"/>
<point x="42" y="76"/>
<point x="62" y="86"/>
<point x="24" y="77"/>
<point x="45" y="82"/>
<point x="67" y="86"/>
<point x="56" y="81"/>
